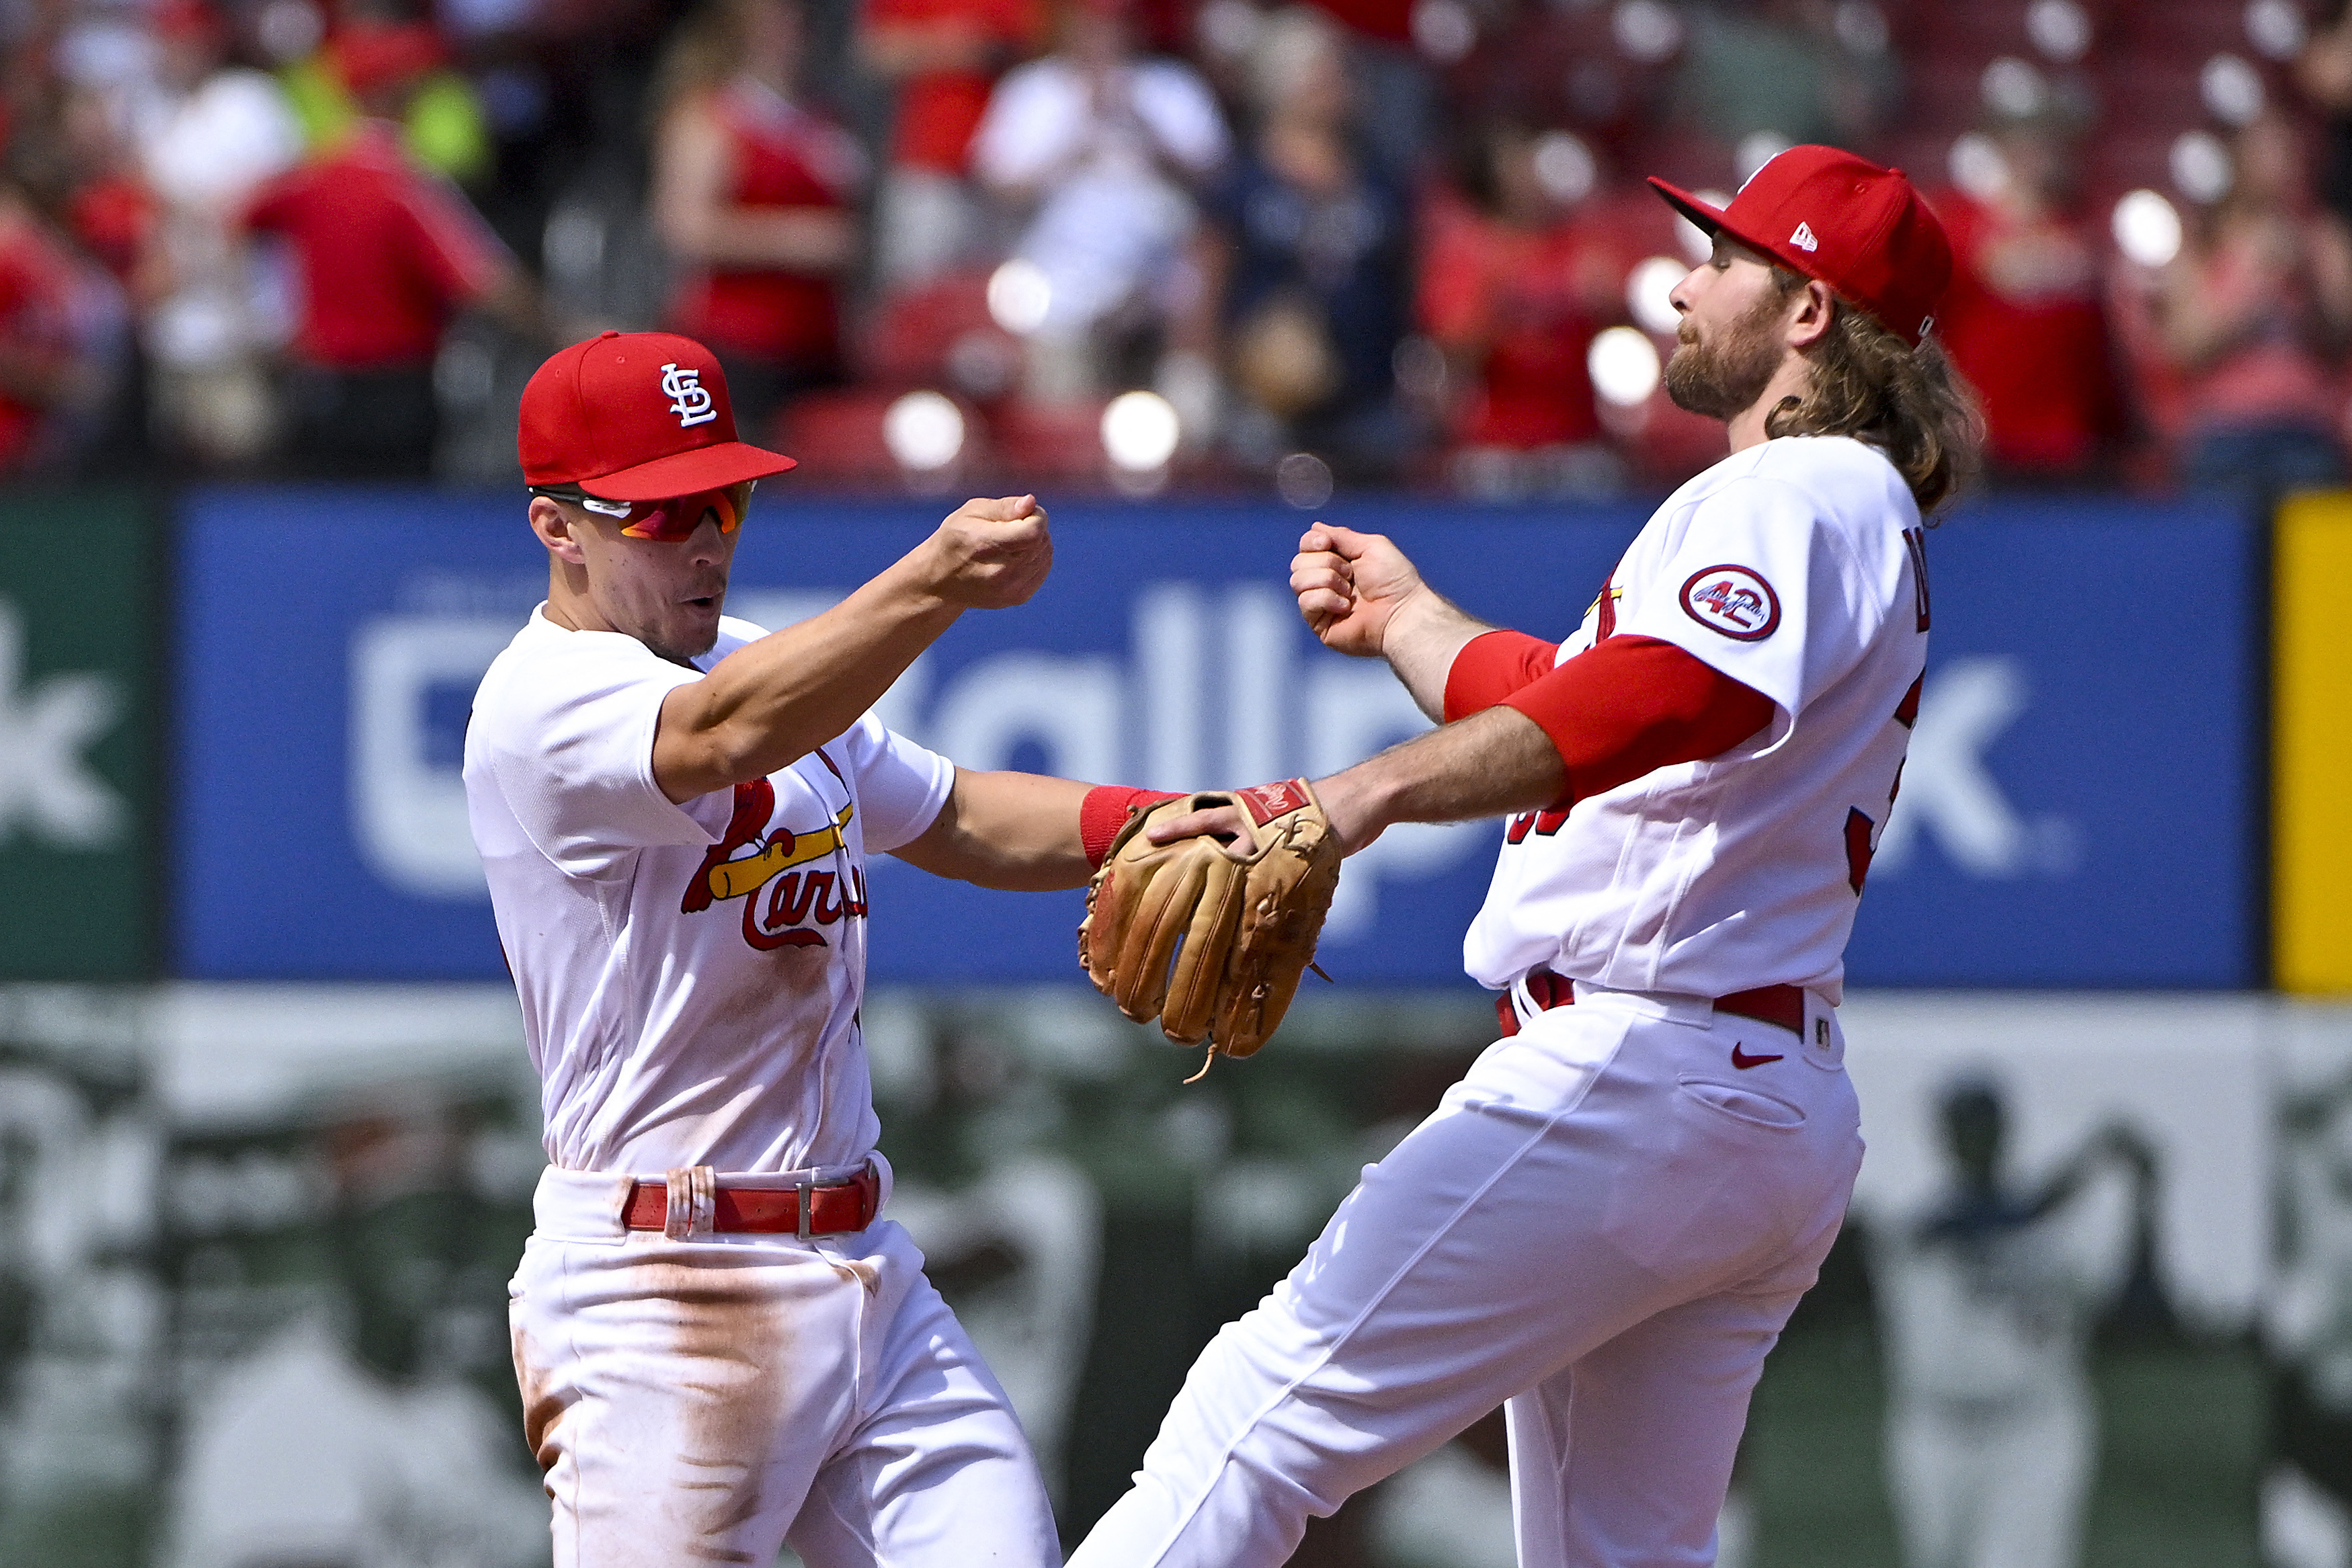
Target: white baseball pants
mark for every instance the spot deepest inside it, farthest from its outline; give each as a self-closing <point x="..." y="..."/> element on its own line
<point x="1995" y="1484"/>
<point x="704" y="1401"/>
<point x="1606" y="1222"/>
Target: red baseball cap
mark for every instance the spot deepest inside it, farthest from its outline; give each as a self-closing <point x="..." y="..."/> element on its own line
<point x="1842" y="221"/>
<point x="635" y="417"/>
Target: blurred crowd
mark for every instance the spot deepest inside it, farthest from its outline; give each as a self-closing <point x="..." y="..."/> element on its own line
<point x="1221" y="243"/>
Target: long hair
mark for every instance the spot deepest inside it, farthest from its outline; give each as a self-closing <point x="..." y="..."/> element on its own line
<point x="1908" y="402"/>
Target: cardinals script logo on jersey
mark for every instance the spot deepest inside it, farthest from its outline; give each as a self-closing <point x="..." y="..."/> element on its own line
<point x="689" y="399"/>
<point x="785" y="899"/>
<point x="1734" y="601"/>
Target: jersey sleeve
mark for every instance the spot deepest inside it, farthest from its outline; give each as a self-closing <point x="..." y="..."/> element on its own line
<point x="570" y="745"/>
<point x="1762" y="586"/>
<point x="1491" y="666"/>
<point x="901" y="786"/>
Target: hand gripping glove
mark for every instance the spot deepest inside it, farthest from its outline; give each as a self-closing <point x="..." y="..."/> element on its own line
<point x="1211" y="938"/>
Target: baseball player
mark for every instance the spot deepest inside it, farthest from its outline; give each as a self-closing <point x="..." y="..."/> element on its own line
<point x="1609" y="1219"/>
<point x="720" y="1344"/>
<point x="1987" y="1294"/>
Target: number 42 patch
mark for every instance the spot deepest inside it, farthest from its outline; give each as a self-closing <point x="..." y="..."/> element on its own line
<point x="1733" y="600"/>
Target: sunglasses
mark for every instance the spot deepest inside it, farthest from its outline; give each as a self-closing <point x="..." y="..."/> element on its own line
<point x="669" y="521"/>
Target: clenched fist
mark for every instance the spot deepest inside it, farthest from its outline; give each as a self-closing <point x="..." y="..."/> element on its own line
<point x="991" y="554"/>
<point x="1349" y="586"/>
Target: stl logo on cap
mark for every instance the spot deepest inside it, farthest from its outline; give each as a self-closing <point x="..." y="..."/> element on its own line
<point x="688" y="399"/>
<point x="588" y="418"/>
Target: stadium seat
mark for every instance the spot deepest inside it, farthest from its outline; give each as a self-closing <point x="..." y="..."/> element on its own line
<point x="1045" y="442"/>
<point x="837" y="436"/>
<point x="940" y="334"/>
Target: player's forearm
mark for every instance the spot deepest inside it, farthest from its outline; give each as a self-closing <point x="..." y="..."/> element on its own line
<point x="774" y="701"/>
<point x="1422" y="639"/>
<point x="1489" y="765"/>
<point x="1016" y="832"/>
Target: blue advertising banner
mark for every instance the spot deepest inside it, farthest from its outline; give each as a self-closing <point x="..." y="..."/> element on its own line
<point x="2080" y="808"/>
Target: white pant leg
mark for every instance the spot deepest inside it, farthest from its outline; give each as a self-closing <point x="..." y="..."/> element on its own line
<point x="686" y="1400"/>
<point x="1988" y="1486"/>
<point x="2040" y="1473"/>
<point x="1934" y="1481"/>
<point x="938" y="1473"/>
<point x="1578" y="1182"/>
<point x="1597" y="1476"/>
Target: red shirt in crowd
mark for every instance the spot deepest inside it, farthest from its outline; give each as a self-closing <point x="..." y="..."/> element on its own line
<point x="113" y="216"/>
<point x="2024" y="322"/>
<point x="1388" y="19"/>
<point x="386" y="253"/>
<point x="782" y="156"/>
<point x="1514" y="300"/>
<point x="36" y="287"/>
<point x="938" y="110"/>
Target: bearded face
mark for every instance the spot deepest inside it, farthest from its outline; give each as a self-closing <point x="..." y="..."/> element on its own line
<point x="1720" y="379"/>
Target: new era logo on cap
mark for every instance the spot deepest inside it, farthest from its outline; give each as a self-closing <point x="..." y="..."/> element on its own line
<point x="1876" y="244"/>
<point x="635" y="417"/>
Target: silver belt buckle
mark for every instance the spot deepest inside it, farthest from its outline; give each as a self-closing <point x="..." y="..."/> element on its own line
<point x="808" y="1206"/>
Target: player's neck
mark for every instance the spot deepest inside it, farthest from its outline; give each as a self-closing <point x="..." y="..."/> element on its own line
<point x="1793" y="379"/>
<point x="569" y="603"/>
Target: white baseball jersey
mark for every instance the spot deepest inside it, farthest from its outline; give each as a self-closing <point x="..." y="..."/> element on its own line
<point x="690" y="975"/>
<point x="1798" y="568"/>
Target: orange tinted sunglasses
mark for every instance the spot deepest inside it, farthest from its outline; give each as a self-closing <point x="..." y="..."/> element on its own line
<point x="669" y="520"/>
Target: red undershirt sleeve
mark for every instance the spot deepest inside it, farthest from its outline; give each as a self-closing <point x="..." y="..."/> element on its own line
<point x="1491" y="666"/>
<point x="1632" y="704"/>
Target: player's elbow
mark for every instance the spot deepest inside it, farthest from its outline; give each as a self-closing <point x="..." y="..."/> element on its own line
<point x="695" y="760"/>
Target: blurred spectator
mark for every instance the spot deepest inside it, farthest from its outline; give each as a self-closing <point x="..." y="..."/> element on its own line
<point x="2025" y="320"/>
<point x="218" y="132"/>
<point x="60" y="339"/>
<point x="943" y="57"/>
<point x="1782" y="69"/>
<point x="753" y="196"/>
<point x="2324" y="70"/>
<point x="1100" y="150"/>
<point x="1311" y="266"/>
<point x="441" y="121"/>
<point x="2247" y="319"/>
<point x="1396" y="100"/>
<point x="384" y="255"/>
<point x="1513" y="290"/>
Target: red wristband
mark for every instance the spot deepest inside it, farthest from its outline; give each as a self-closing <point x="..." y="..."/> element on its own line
<point x="1103" y="811"/>
<point x="1491" y="666"/>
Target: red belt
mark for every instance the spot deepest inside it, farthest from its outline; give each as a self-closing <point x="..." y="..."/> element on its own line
<point x="1783" y="1006"/>
<point x="834" y="1208"/>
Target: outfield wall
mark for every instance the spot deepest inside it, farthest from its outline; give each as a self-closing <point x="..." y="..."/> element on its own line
<point x="253" y="774"/>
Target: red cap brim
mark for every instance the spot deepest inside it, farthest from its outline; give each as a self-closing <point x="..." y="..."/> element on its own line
<point x="685" y="473"/>
<point x="1712" y="219"/>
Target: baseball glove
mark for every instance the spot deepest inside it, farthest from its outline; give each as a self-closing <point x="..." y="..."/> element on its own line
<point x="1209" y="939"/>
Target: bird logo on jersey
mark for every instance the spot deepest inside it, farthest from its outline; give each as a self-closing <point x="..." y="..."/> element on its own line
<point x="1734" y="601"/>
<point x="783" y="903"/>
